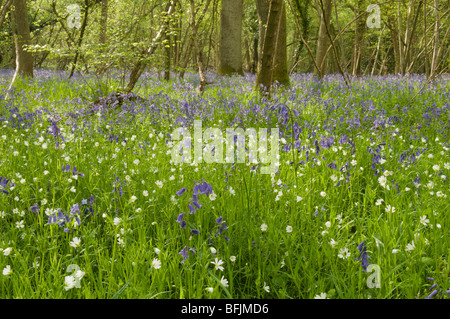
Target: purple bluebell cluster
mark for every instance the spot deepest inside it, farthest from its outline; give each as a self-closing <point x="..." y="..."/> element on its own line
<point x="61" y="219"/>
<point x="222" y="226"/>
<point x="434" y="290"/>
<point x="65" y="219"/>
<point x="184" y="252"/>
<point x="363" y="255"/>
<point x="181" y="221"/>
<point x="4" y="184"/>
<point x="120" y="184"/>
<point x="35" y="208"/>
<point x="200" y="188"/>
<point x="66" y="168"/>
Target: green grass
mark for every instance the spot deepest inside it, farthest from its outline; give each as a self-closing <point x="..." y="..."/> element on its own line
<point x="118" y="260"/>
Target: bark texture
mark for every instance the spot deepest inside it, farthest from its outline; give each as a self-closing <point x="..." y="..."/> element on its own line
<point x="230" y="59"/>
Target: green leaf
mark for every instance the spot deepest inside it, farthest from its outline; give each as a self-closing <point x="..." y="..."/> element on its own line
<point x="218" y="280"/>
<point x="121" y="290"/>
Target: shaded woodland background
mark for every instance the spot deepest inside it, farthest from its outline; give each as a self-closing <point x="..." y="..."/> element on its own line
<point x="272" y="38"/>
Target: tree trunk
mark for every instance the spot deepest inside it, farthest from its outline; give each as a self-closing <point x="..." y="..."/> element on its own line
<point x="198" y="52"/>
<point x="395" y="44"/>
<point x="262" y="8"/>
<point x="103" y="22"/>
<point x="167" y="47"/>
<point x="280" y="67"/>
<point x="341" y="41"/>
<point x="254" y="64"/>
<point x="167" y="44"/>
<point x="21" y="33"/>
<point x="427" y="68"/>
<point x="138" y="68"/>
<point x="268" y="61"/>
<point x="247" y="56"/>
<point x="358" y="41"/>
<point x="24" y="59"/>
<point x="435" y="59"/>
<point x="230" y="60"/>
<point x="322" y="42"/>
<point x="210" y="41"/>
<point x="272" y="65"/>
<point x="80" y="39"/>
<point x="376" y="54"/>
<point x="4" y="11"/>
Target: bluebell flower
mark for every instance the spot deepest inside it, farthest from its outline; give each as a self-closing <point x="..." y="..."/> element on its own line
<point x="432" y="294"/>
<point x="183" y="253"/>
<point x="203" y="188"/>
<point x="363" y="255"/>
<point x="75" y="209"/>
<point x="219" y="220"/>
<point x="197" y="204"/>
<point x="35" y="208"/>
<point x="332" y="165"/>
<point x="432" y="287"/>
<point x="181" y="191"/>
<point x="4" y="184"/>
<point x="181" y="221"/>
<point x="195" y="231"/>
<point x="191" y="208"/>
<point x="74" y="172"/>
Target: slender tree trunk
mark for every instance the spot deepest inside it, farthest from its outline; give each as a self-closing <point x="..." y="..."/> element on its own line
<point x="262" y="7"/>
<point x="435" y="60"/>
<point x="210" y="41"/>
<point x="247" y="56"/>
<point x="395" y="44"/>
<point x="186" y="59"/>
<point x="24" y="58"/>
<point x="230" y="60"/>
<point x="267" y="62"/>
<point x="167" y="43"/>
<point x="376" y="54"/>
<point x="322" y="42"/>
<point x="427" y="62"/>
<point x="198" y="52"/>
<point x="80" y="39"/>
<point x="277" y="40"/>
<point x="167" y="47"/>
<point x="254" y="64"/>
<point x="138" y="68"/>
<point x="4" y="11"/>
<point x="383" y="63"/>
<point x="176" y="44"/>
<point x="103" y="22"/>
<point x="359" y="41"/>
<point x="341" y="41"/>
<point x="21" y="34"/>
<point x="280" y="68"/>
